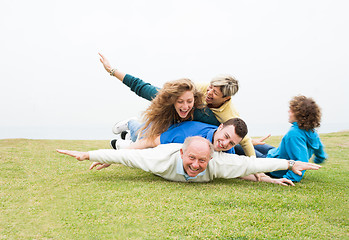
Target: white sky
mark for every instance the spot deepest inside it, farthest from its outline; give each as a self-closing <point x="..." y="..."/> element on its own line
<point x="53" y="85"/>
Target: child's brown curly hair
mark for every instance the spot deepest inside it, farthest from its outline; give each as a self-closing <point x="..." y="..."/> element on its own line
<point x="306" y="112"/>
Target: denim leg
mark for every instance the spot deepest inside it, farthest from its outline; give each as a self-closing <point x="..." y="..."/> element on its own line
<point x="134" y="126"/>
<point x="262" y="150"/>
<point x="238" y="150"/>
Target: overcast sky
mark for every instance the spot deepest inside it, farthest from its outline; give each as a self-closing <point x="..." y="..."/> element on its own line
<point x="53" y="85"/>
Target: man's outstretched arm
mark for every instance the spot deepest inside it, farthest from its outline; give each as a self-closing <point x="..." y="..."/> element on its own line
<point x="232" y="166"/>
<point x="81" y="156"/>
<point x="150" y="160"/>
<point x="266" y="178"/>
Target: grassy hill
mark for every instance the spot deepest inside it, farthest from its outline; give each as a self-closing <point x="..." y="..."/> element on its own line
<point x="45" y="195"/>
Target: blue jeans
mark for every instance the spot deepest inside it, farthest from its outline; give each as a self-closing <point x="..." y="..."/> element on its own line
<point x="261" y="150"/>
<point x="134" y="126"/>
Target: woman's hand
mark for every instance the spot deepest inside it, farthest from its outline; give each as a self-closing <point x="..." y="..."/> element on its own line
<point x="105" y="63"/>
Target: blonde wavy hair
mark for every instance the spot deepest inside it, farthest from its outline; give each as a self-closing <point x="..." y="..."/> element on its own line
<point x="161" y="113"/>
<point x="229" y="86"/>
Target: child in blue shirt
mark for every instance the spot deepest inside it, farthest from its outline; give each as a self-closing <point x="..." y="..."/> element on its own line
<point x="301" y="142"/>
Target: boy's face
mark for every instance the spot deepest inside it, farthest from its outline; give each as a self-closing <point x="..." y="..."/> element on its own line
<point x="291" y="117"/>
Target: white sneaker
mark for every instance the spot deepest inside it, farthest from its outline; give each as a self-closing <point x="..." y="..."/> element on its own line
<point x="121" y="126"/>
<point x="113" y="144"/>
<point x="126" y="135"/>
<point x="121" y="144"/>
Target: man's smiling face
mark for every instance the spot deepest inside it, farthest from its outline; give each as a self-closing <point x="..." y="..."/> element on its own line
<point x="195" y="158"/>
<point x="225" y="138"/>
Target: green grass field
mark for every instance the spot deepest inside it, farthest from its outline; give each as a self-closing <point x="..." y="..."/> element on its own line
<point x="45" y="195"/>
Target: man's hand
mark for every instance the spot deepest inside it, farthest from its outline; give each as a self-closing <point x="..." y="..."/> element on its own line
<point x="258" y="176"/>
<point x="260" y="141"/>
<point x="105" y="63"/>
<point x="99" y="166"/>
<point x="266" y="178"/>
<point x="299" y="166"/>
<point x="282" y="181"/>
<point x="81" y="156"/>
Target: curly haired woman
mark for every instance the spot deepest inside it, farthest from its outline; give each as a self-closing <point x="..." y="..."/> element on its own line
<point x="174" y="103"/>
<point x="301" y="141"/>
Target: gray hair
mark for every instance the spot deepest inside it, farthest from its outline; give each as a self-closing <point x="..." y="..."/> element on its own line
<point x="228" y="84"/>
<point x="189" y="140"/>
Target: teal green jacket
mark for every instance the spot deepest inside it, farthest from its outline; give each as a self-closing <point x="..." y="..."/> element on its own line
<point x="148" y="91"/>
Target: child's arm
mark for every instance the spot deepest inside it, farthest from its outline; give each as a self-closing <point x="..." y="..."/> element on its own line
<point x="320" y="154"/>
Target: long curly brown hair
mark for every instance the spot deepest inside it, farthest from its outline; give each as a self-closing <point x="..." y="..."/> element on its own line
<point x="161" y="113"/>
<point x="306" y="112"/>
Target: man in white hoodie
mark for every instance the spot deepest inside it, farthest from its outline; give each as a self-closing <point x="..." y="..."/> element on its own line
<point x="193" y="161"/>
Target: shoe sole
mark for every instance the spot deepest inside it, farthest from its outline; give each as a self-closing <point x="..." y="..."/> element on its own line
<point x="127" y="120"/>
<point x="111" y="146"/>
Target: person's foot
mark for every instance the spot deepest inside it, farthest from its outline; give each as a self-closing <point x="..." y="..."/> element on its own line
<point x="119" y="143"/>
<point x="125" y="135"/>
<point x="121" y="126"/>
<point x="113" y="144"/>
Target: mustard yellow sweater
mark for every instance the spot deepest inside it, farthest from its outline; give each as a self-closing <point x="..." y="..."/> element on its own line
<point x="224" y="113"/>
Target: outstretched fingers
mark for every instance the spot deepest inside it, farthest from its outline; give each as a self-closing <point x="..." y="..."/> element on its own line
<point x="315" y="166"/>
<point x="260" y="141"/>
<point x="99" y="166"/>
<point x="287" y="182"/>
<point x="102" y="57"/>
<point x="300" y="166"/>
<point x="78" y="155"/>
<point x="310" y="166"/>
<point x="105" y="63"/>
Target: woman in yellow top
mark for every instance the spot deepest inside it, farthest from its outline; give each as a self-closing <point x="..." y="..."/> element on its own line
<point x="217" y="96"/>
